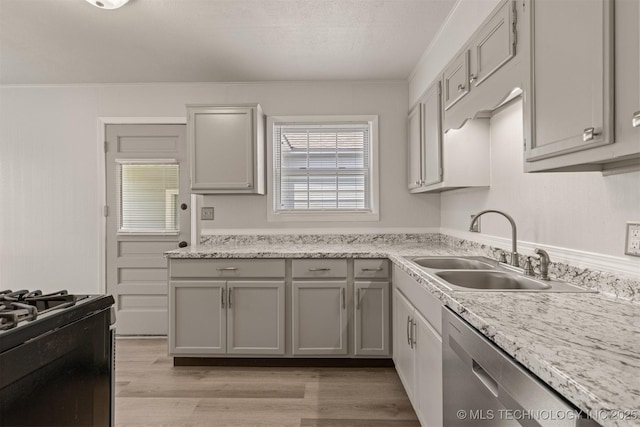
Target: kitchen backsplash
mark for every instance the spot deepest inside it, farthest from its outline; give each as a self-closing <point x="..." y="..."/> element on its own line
<point x="622" y="287"/>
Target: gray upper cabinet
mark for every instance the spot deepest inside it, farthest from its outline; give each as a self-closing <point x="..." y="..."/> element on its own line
<point x="569" y="122"/>
<point x="456" y="79"/>
<point x="425" y="141"/>
<point x="494" y="45"/>
<point x="226" y="149"/>
<point x="490" y="64"/>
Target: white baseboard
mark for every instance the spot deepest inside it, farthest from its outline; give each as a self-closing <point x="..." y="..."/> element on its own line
<point x="600" y="262"/>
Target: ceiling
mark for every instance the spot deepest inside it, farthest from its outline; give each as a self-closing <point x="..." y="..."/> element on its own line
<point x="72" y="41"/>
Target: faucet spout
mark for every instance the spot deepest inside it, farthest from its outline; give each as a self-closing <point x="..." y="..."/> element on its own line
<point x="514" y="233"/>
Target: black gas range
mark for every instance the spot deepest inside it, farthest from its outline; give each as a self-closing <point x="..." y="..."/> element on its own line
<point x="56" y="359"/>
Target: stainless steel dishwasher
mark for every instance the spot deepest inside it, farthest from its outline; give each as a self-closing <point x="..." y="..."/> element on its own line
<point x="483" y="386"/>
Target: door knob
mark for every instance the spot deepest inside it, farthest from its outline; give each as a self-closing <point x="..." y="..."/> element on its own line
<point x="182" y="244"/>
<point x="184" y="206"/>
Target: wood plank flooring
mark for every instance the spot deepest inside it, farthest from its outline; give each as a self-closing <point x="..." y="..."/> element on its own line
<point x="150" y="391"/>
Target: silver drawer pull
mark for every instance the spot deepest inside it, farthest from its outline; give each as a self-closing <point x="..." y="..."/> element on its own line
<point x="319" y="269"/>
<point x="589" y="134"/>
<point x="635" y="122"/>
<point x="227" y="269"/>
<point x="372" y="269"/>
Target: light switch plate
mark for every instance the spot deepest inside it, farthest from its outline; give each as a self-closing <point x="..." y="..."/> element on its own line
<point x="632" y="243"/>
<point x="206" y="214"/>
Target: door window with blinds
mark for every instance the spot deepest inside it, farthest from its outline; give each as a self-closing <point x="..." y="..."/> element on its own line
<point x="148" y="196"/>
<point x="323" y="168"/>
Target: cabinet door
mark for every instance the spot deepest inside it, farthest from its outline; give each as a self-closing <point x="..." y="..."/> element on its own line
<point x="371" y="318"/>
<point x="432" y="131"/>
<point x="415" y="148"/>
<point x="456" y="80"/>
<point x="255" y="317"/>
<point x="197" y="322"/>
<point x="221" y="144"/>
<point x="319" y="324"/>
<point x="569" y="104"/>
<point x="428" y="372"/>
<point x="494" y="46"/>
<point x="403" y="355"/>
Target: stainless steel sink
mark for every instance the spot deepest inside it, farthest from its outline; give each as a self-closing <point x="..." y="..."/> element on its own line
<point x="452" y="263"/>
<point x="480" y="274"/>
<point x="486" y="280"/>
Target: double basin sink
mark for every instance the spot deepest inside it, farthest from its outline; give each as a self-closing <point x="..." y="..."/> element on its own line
<point x="480" y="274"/>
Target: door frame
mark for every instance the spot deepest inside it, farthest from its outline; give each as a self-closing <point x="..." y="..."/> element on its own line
<point x="102" y="182"/>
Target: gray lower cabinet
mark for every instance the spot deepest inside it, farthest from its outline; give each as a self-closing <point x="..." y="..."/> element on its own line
<point x="417" y="351"/>
<point x="371" y="320"/>
<point x="197" y="318"/>
<point x="221" y="317"/>
<point x="275" y="307"/>
<point x="319" y="324"/>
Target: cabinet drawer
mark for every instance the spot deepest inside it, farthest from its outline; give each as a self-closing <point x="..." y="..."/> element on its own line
<point x="371" y="268"/>
<point x="227" y="268"/>
<point x="314" y="268"/>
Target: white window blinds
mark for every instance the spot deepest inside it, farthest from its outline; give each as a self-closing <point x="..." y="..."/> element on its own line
<point x="148" y="197"/>
<point x="322" y="167"/>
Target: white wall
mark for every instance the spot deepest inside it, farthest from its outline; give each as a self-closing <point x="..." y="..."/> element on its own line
<point x="50" y="166"/>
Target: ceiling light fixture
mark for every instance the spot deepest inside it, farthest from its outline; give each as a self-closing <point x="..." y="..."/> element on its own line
<point x="108" y="4"/>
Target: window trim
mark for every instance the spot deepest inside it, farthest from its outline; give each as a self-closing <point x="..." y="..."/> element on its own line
<point x="325" y="215"/>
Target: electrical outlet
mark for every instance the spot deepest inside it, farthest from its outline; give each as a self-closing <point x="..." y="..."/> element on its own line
<point x="206" y="214"/>
<point x="476" y="226"/>
<point x="632" y="243"/>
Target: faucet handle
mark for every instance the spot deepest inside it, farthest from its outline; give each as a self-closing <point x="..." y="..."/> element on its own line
<point x="502" y="257"/>
<point x="528" y="267"/>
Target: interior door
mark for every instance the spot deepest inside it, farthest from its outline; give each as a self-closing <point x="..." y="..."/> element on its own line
<point x="147" y="214"/>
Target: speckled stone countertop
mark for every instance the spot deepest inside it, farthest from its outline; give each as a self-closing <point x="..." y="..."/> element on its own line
<point x="585" y="346"/>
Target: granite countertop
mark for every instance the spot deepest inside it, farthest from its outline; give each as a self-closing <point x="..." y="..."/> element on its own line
<point x="586" y="346"/>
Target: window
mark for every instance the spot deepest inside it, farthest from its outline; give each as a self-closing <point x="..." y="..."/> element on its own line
<point x="323" y="168"/>
<point x="147" y="197"/>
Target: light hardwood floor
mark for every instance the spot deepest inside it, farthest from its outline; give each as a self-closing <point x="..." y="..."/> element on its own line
<point x="150" y="391"/>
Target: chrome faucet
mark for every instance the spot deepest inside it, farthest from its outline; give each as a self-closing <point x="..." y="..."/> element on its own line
<point x="514" y="239"/>
<point x="544" y="263"/>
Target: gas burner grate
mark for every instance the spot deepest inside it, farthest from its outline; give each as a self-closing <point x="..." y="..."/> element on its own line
<point x="16" y="306"/>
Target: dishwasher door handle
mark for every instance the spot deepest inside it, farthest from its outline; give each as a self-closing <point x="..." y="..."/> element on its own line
<point x="485" y="378"/>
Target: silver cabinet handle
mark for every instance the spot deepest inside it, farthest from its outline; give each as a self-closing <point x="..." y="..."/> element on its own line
<point x="372" y="269"/>
<point x="358" y="299"/>
<point x="461" y="87"/>
<point x="589" y="134"/>
<point x="413" y="336"/>
<point x="229" y="296"/>
<point x="472" y="78"/>
<point x="227" y="269"/>
<point x="635" y="122"/>
<point x="222" y="297"/>
<point x="319" y="269"/>
<point x="408" y="326"/>
<point x="342" y="298"/>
